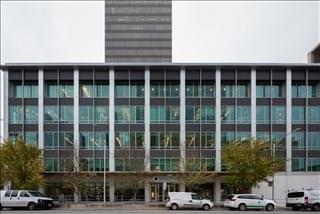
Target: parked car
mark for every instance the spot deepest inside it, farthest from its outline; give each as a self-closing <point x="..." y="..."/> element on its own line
<point x="24" y="198"/>
<point x="178" y="200"/>
<point x="304" y="199"/>
<point x="248" y="201"/>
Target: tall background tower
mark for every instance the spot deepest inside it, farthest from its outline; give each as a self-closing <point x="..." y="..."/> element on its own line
<point x="138" y="31"/>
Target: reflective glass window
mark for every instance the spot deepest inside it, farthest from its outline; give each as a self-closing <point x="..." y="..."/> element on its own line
<point x="15" y="114"/>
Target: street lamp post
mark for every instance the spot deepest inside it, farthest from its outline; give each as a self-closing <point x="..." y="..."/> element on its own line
<point x="273" y="155"/>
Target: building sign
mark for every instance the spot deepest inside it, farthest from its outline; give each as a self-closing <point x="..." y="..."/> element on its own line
<point x="163" y="179"/>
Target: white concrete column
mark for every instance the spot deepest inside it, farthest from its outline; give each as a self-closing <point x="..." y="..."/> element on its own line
<point x="111" y="189"/>
<point x="217" y="191"/>
<point x="5" y="102"/>
<point x="218" y="120"/>
<point x="2" y="105"/>
<point x="253" y="104"/>
<point x="289" y="121"/>
<point x="147" y="191"/>
<point x="182" y="119"/>
<point x="147" y="119"/>
<point x="40" y="109"/>
<point x="111" y="121"/>
<point x="76" y="118"/>
<point x="182" y="187"/>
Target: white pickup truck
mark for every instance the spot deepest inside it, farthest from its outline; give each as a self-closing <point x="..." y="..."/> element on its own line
<point x="24" y="198"/>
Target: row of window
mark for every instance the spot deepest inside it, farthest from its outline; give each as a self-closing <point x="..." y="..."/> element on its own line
<point x="168" y="140"/>
<point x="164" y="114"/>
<point x="301" y="165"/>
<point x="101" y="90"/>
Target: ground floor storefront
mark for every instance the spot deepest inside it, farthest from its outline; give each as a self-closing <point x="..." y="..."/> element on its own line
<point x="134" y="187"/>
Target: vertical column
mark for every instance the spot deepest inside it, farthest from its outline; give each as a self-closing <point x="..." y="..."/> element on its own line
<point x="217" y="192"/>
<point x="289" y="121"/>
<point x="2" y="106"/>
<point x="40" y="109"/>
<point x="76" y="117"/>
<point x="111" y="121"/>
<point x="182" y="119"/>
<point x="5" y="98"/>
<point x="182" y="187"/>
<point x="147" y="191"/>
<point x="111" y="190"/>
<point x="147" y="119"/>
<point x="253" y="104"/>
<point x="218" y="120"/>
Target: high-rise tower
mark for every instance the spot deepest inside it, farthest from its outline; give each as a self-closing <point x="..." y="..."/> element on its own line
<point x="138" y="31"/>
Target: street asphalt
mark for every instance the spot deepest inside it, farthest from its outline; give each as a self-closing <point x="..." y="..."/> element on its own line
<point x="157" y="211"/>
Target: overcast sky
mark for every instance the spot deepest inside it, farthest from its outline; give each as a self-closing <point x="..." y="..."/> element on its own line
<point x="203" y="31"/>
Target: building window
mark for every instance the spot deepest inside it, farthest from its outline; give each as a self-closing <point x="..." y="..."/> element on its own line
<point x="31" y="114"/>
<point x="168" y="90"/>
<point x="15" y="114"/>
<point x="263" y="114"/>
<point x="122" y="164"/>
<point x="66" y="114"/>
<point x="31" y="138"/>
<point x="51" y="114"/>
<point x="232" y="91"/>
<point x="28" y="90"/>
<point x="230" y="137"/>
<point x="58" y="164"/>
<point x="314" y="164"/>
<point x="196" y="90"/>
<point x="64" y="90"/>
<point x="133" y="90"/>
<point x="278" y="115"/>
<point x="165" y="164"/>
<point x="94" y="165"/>
<point x="100" y="115"/>
<point x="314" y="114"/>
<point x="55" y="140"/>
<point x="299" y="164"/>
<point x="133" y="140"/>
<point x="298" y="140"/>
<point x="279" y="140"/>
<point x="263" y="136"/>
<point x="298" y="114"/>
<point x="99" y="90"/>
<point x="194" y="113"/>
<point x="94" y="140"/>
<point x="168" y="140"/>
<point x="314" y="140"/>
<point x="227" y="114"/>
<point x="129" y="114"/>
<point x="164" y="114"/>
<point x="203" y="164"/>
<point x="300" y="90"/>
<point x="243" y="114"/>
<point x="207" y="140"/>
<point x="268" y="91"/>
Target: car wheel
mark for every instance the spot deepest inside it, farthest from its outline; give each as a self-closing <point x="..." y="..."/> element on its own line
<point x="269" y="207"/>
<point x="206" y="207"/>
<point x="31" y="206"/>
<point x="174" y="207"/>
<point x="242" y="207"/>
<point x="316" y="207"/>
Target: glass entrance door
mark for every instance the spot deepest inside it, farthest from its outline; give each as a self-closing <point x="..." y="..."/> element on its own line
<point x="159" y="191"/>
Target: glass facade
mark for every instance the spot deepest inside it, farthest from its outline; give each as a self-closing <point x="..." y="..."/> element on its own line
<point x="129" y="114"/>
<point x="136" y="144"/>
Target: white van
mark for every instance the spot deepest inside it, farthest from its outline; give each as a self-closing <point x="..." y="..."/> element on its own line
<point x="177" y="200"/>
<point x="24" y="198"/>
<point x="304" y="199"/>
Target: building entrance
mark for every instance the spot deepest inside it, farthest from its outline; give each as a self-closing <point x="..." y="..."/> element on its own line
<point x="159" y="191"/>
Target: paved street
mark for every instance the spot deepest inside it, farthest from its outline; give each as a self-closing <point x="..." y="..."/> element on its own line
<point x="157" y="211"/>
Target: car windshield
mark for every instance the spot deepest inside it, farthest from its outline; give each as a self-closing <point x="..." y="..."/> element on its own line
<point x="35" y="193"/>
